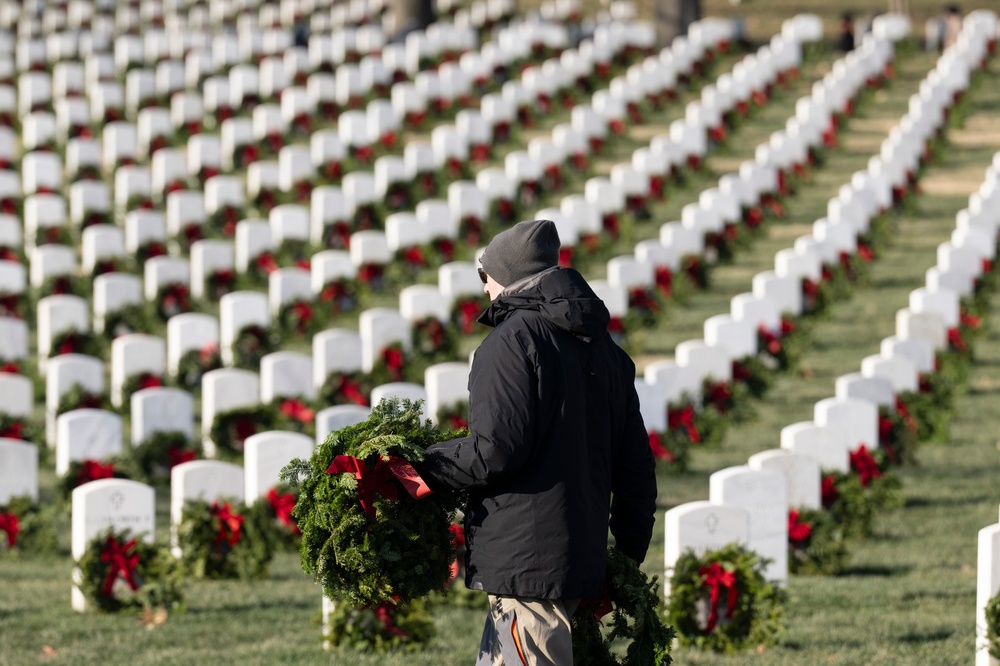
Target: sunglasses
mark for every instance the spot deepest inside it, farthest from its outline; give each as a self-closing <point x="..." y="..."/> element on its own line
<point x="482" y="274"/>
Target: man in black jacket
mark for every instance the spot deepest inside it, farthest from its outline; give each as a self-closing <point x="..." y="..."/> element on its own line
<point x="556" y="447"/>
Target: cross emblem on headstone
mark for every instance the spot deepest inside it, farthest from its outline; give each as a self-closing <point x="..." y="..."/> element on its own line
<point x="711" y="522"/>
<point x="116" y="500"/>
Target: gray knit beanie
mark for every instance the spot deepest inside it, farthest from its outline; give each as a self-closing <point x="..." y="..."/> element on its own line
<point x="525" y="249"/>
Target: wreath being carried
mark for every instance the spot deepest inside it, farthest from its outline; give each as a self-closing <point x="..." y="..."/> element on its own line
<point x="364" y="537"/>
<point x="634" y="603"/>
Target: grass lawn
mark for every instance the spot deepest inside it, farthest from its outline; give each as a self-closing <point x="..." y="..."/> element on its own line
<point x="908" y="595"/>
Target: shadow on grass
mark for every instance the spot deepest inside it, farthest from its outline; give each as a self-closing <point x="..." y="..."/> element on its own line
<point x="942" y="594"/>
<point x="875" y="571"/>
<point x="932" y="637"/>
<point x="301" y="604"/>
<point x="921" y="502"/>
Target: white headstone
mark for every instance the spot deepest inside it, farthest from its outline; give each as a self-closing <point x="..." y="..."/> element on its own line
<point x="929" y="326"/>
<point x="857" y="418"/>
<point x="917" y="350"/>
<point x="762" y="494"/>
<point x="84" y="434"/>
<point x="379" y="328"/>
<point x="238" y="310"/>
<point x="18" y="470"/>
<point x="109" y="503"/>
<point x="224" y="390"/>
<point x="286" y="374"/>
<point x="402" y="390"/>
<point x="900" y="372"/>
<point x="872" y="389"/>
<point x="708" y="361"/>
<point x="17" y="395"/>
<point x="265" y="454"/>
<point x="446" y="385"/>
<point x="208" y="480"/>
<point x="802" y="472"/>
<point x="827" y="445"/>
<point x="132" y="355"/>
<point x="987" y="584"/>
<point x="701" y="527"/>
<point x="337" y="417"/>
<point x="156" y="410"/>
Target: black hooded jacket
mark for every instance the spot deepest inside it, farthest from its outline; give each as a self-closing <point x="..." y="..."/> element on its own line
<point x="555" y="434"/>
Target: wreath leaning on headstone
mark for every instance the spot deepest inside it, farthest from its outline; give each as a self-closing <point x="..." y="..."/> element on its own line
<point x="993" y="626"/>
<point x="380" y="628"/>
<point x="633" y="600"/>
<point x="119" y="571"/>
<point x="721" y="601"/>
<point x="224" y="540"/>
<point x="26" y="528"/>
<point x="364" y="536"/>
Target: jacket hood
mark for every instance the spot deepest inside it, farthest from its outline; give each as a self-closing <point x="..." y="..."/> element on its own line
<point x="561" y="295"/>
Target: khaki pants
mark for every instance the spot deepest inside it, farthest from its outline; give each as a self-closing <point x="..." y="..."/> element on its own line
<point x="521" y="631"/>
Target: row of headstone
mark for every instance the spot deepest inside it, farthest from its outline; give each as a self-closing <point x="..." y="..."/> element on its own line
<point x="748" y="505"/>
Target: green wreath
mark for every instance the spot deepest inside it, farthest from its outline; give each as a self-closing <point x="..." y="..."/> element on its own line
<point x="26" y="528"/>
<point x="816" y="543"/>
<point x="755" y="617"/>
<point x="753" y="373"/>
<point x="156" y="455"/>
<point x="193" y="365"/>
<point x="434" y="340"/>
<point x="300" y="318"/>
<point x="76" y="342"/>
<point x="231" y="429"/>
<point x="362" y="546"/>
<point x="85" y="471"/>
<point x="273" y="511"/>
<point x="224" y="540"/>
<point x="347" y="388"/>
<point x="993" y="625"/>
<point x="150" y="577"/>
<point x="252" y="343"/>
<point x="636" y="616"/>
<point x="392" y="365"/>
<point x="131" y="318"/>
<point x="853" y="503"/>
<point x="294" y="415"/>
<point x="381" y="628"/>
<point x="23" y="428"/>
<point x="138" y="382"/>
<point x="74" y="285"/>
<point x="77" y="397"/>
<point x="671" y="449"/>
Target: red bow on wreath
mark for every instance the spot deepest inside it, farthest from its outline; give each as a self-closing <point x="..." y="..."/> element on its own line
<point x="92" y="470"/>
<point x="147" y="380"/>
<point x="664" y="278"/>
<point x="294" y="409"/>
<point x="11" y="526"/>
<point x="177" y="455"/>
<point x="468" y="313"/>
<point x="716" y="580"/>
<point x="864" y="465"/>
<point x="10" y="367"/>
<point x="829" y="491"/>
<point x="121" y="561"/>
<point x="303" y="315"/>
<point x="660" y="452"/>
<point x="384" y="614"/>
<point x="393" y="358"/>
<point x="684" y="418"/>
<point x="771" y="342"/>
<point x="282" y="504"/>
<point x="351" y="391"/>
<point x="230" y="523"/>
<point x="798" y="530"/>
<point x="904" y="412"/>
<point x="719" y="395"/>
<point x="379" y="479"/>
<point x="14" y="430"/>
